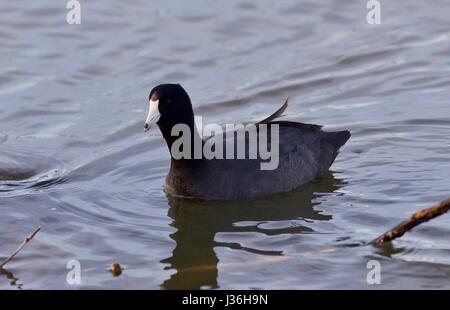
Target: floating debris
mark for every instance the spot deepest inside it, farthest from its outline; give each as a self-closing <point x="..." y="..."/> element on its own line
<point x="115" y="269"/>
<point x="21" y="246"/>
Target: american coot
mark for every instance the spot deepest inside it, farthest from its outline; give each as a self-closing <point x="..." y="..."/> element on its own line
<point x="304" y="153"/>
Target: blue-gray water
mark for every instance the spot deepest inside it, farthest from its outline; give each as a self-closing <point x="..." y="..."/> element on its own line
<point x="74" y="159"/>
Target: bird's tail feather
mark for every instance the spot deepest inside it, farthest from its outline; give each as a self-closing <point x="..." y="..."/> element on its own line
<point x="337" y="138"/>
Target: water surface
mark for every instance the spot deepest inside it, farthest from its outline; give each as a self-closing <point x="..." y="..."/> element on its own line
<point x="74" y="159"/>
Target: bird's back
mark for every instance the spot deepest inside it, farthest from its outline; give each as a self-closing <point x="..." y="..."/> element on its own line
<point x="304" y="153"/>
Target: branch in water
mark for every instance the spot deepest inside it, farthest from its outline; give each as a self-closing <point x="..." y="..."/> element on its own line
<point x="416" y="219"/>
<point x="24" y="243"/>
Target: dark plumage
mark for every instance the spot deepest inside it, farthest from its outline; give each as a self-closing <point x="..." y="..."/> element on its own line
<point x="305" y="152"/>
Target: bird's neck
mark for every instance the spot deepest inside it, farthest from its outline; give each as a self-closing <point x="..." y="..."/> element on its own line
<point x="184" y="136"/>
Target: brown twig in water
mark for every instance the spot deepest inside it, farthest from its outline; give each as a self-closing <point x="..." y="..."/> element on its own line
<point x="417" y="218"/>
<point x="24" y="243"/>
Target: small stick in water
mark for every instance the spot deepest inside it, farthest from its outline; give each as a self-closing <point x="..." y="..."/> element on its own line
<point x="417" y="218"/>
<point x="24" y="243"/>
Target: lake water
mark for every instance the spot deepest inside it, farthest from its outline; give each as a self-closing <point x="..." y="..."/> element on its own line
<point x="74" y="158"/>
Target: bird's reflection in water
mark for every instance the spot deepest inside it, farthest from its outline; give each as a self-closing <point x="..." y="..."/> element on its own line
<point x="197" y="223"/>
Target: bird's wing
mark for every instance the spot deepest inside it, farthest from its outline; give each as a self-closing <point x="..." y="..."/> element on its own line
<point x="276" y="114"/>
<point x="279" y="113"/>
<point x="267" y="120"/>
